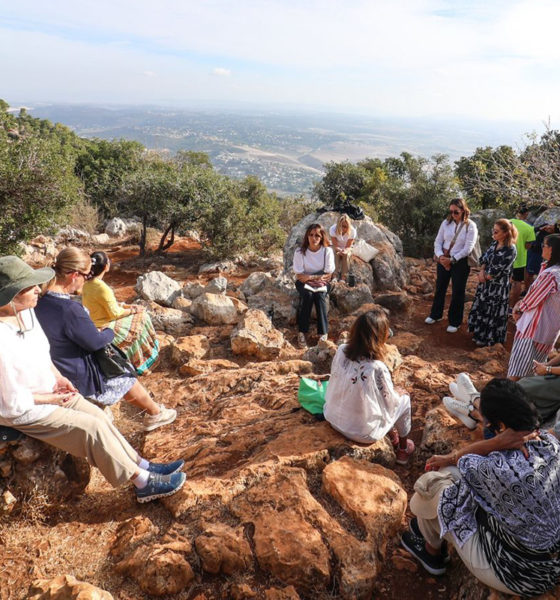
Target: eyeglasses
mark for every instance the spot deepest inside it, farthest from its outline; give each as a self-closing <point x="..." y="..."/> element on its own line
<point x="454" y="212"/>
<point x="496" y="231"/>
<point x="84" y="275"/>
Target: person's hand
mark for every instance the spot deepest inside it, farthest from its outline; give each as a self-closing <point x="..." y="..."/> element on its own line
<point x="539" y="368"/>
<point x="64" y="385"/>
<point x="438" y="461"/>
<point x="509" y="439"/>
<point x="549" y="228"/>
<point x="56" y="398"/>
<point x="482" y="277"/>
<point x="445" y="262"/>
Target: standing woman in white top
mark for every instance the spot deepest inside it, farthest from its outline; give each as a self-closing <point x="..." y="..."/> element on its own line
<point x="361" y="402"/>
<point x="313" y="266"/>
<point x="342" y="238"/>
<point x="455" y="240"/>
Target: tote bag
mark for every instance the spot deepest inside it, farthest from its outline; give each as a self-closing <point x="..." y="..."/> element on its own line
<point x="311" y="395"/>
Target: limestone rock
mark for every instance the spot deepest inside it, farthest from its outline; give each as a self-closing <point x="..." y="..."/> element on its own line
<point x="100" y="239"/>
<point x="372" y="494"/>
<point x="223" y="549"/>
<point x="195" y="367"/>
<point x="493" y="367"/>
<point x="321" y="356"/>
<point x="348" y="299"/>
<point x="158" y="287"/>
<point x="27" y="451"/>
<point x="158" y="569"/>
<point x="130" y="534"/>
<point x="192" y="290"/>
<point x="181" y="303"/>
<point x="442" y="433"/>
<point x="256" y="336"/>
<point x="115" y="227"/>
<point x="217" y="267"/>
<point x="396" y="302"/>
<point x="287" y="593"/>
<point x="291" y="549"/>
<point x="496" y="352"/>
<point x="255" y="283"/>
<point x="362" y="271"/>
<point x="241" y="591"/>
<point x="170" y="320"/>
<point x="279" y="306"/>
<point x="218" y="285"/>
<point x="65" y="587"/>
<point x="189" y="347"/>
<point x="72" y="234"/>
<point x="407" y="343"/>
<point x="214" y="309"/>
<point x="551" y="215"/>
<point x="7" y="502"/>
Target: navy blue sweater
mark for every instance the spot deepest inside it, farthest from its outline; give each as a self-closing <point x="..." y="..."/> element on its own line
<point x="73" y="337"/>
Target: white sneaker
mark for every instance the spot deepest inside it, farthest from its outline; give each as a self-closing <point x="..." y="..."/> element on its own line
<point x="465" y="388"/>
<point x="324" y="337"/>
<point x="451" y="329"/>
<point x="302" y="342"/>
<point x="431" y="321"/>
<point x="459" y="410"/>
<point x="164" y="417"/>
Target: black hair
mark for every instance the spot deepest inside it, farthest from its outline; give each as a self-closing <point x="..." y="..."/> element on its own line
<point x="505" y="401"/>
<point x="99" y="261"/>
<point x="553" y="240"/>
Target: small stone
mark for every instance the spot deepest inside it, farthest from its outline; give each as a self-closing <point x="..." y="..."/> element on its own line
<point x="8" y="502"/>
<point x="188" y="347"/>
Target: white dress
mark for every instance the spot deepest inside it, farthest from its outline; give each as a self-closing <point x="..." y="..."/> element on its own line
<point x="361" y="402"/>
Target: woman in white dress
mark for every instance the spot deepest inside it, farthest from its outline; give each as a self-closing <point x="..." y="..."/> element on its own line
<point x="361" y="402"/>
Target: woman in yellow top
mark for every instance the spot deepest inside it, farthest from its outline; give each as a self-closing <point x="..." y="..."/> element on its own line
<point x="134" y="332"/>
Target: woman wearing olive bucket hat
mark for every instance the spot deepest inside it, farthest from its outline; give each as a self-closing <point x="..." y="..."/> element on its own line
<point x="38" y="401"/>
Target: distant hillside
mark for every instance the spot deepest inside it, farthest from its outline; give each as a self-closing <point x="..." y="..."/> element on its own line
<point x="285" y="150"/>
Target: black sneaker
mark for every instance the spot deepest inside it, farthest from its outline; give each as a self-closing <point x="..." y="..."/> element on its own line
<point x="166" y="468"/>
<point x="417" y="547"/>
<point x="444" y="547"/>
<point x="159" y="486"/>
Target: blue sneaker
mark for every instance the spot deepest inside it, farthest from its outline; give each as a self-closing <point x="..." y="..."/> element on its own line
<point x="166" y="468"/>
<point x="159" y="486"/>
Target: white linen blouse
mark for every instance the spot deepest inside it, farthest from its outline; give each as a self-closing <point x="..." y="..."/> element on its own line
<point x="321" y="260"/>
<point x="361" y="402"/>
<point x="343" y="238"/>
<point x="25" y="369"/>
<point x="463" y="244"/>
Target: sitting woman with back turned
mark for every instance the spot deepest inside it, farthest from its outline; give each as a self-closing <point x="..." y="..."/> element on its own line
<point x="134" y="332"/>
<point x="74" y="339"/>
<point x="361" y="402"/>
<point x="501" y="507"/>
<point x="36" y="399"/>
<point x="313" y="266"/>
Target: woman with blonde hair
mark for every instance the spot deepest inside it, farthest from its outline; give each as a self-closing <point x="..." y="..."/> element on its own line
<point x="454" y="242"/>
<point x="342" y="238"/>
<point x="361" y="402"/>
<point x="489" y="313"/>
<point x="74" y="339"/>
<point x="134" y="332"/>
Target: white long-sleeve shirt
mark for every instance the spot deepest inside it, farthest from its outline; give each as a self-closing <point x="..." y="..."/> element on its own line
<point x="321" y="260"/>
<point x="25" y="369"/>
<point x="361" y="401"/>
<point x="463" y="244"/>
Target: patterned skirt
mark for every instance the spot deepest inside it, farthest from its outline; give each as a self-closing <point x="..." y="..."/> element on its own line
<point x="136" y="337"/>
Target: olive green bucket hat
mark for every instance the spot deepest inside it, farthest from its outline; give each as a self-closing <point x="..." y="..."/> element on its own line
<point x="16" y="275"/>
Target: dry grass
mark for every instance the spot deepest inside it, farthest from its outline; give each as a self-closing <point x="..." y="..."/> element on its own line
<point x="84" y="215"/>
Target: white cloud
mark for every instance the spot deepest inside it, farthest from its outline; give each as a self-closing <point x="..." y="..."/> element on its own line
<point x="221" y="72"/>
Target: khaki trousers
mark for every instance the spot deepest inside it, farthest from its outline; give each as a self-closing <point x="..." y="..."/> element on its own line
<point x="82" y="429"/>
<point x="341" y="262"/>
<point x="471" y="552"/>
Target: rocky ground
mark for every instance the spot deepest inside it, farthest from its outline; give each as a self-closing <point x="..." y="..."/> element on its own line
<point x="277" y="505"/>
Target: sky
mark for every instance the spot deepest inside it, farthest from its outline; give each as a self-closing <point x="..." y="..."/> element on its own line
<point x="476" y="59"/>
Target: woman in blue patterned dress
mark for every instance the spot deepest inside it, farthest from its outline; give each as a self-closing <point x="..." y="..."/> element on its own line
<point x="489" y="312"/>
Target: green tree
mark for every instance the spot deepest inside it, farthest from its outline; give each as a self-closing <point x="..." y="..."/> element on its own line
<point x="342" y="181"/>
<point x="192" y="158"/>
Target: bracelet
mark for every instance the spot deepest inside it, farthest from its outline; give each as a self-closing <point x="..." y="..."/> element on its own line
<point x="548" y="370"/>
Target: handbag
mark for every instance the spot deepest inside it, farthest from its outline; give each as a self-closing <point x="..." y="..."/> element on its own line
<point x="311" y="395"/>
<point x="475" y="254"/>
<point x="113" y="362"/>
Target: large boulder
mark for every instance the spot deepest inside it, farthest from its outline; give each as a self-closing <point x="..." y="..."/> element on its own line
<point x="255" y="283"/>
<point x="174" y="321"/>
<point x="215" y="309"/>
<point x="348" y="299"/>
<point x="388" y="266"/>
<point x="158" y="287"/>
<point x="115" y="228"/>
<point x="256" y="336"/>
<point x="65" y="587"/>
<point x="551" y="215"/>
